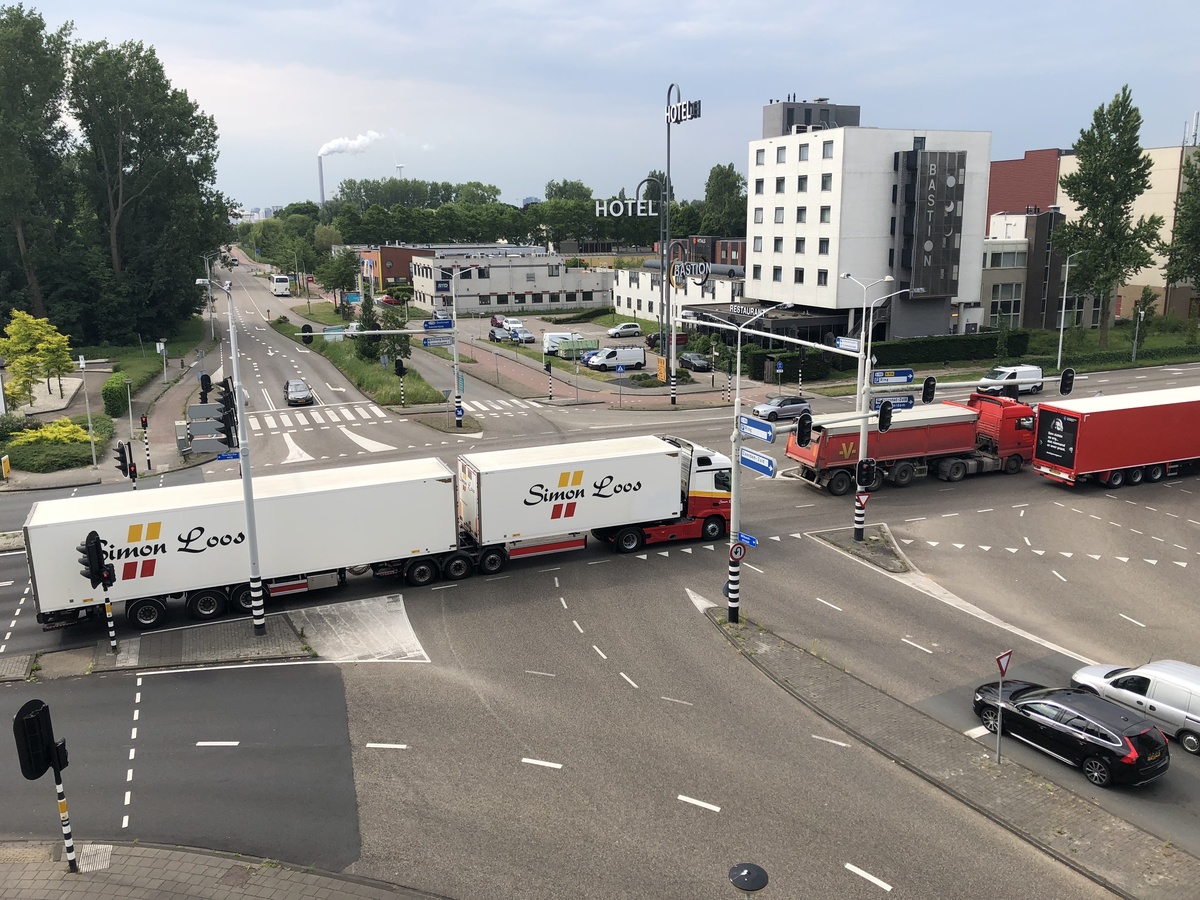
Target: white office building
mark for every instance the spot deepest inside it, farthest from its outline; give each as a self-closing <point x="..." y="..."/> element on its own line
<point x="873" y="202"/>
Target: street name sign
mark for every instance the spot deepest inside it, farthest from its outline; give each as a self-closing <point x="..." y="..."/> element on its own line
<point x="748" y="539"/>
<point x="441" y="340"/>
<point x="756" y="428"/>
<point x="758" y="462"/>
<point x="898" y="401"/>
<point x="892" y="376"/>
<point x="435" y="324"/>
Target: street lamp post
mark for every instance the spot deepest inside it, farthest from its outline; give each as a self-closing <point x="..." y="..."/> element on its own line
<point x="1137" y="322"/>
<point x="663" y="322"/>
<point x="1062" y="310"/>
<point x="212" y="321"/>
<point x="862" y="332"/>
<point x="458" y="386"/>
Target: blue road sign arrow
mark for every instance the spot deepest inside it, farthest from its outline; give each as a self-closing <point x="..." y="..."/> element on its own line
<point x="435" y="324"/>
<point x="758" y="462"/>
<point x="439" y="340"/>
<point x="756" y="428"/>
<point x="748" y="539"/>
<point x="892" y="376"/>
<point x="899" y="401"/>
<point x="234" y="455"/>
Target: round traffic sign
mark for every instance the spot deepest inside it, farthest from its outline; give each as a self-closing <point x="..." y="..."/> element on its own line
<point x="458" y="412"/>
<point x="737" y="551"/>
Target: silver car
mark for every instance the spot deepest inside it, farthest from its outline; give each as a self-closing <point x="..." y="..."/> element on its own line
<point x="782" y="408"/>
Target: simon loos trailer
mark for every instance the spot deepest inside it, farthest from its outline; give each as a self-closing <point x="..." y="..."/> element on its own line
<point x="1119" y="439"/>
<point x="948" y="439"/>
<point x="187" y="545"/>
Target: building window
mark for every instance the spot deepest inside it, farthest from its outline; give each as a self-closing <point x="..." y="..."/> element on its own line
<point x="823" y="246"/>
<point x="797" y="276"/>
<point x="1008" y="260"/>
<point x="520" y="299"/>
<point x="778" y="245"/>
<point x="649" y="306"/>
<point x="826" y="215"/>
<point x="483" y="272"/>
<point x="760" y="157"/>
<point x="781" y="154"/>
<point x="827" y="182"/>
<point x="802" y="184"/>
<point x="485" y="300"/>
<point x="758" y="243"/>
<point x="892" y="226"/>
<point x="639" y="304"/>
<point x="779" y="215"/>
<point x="756" y="273"/>
<point x="779" y="184"/>
<point x="555" y="298"/>
<point x="799" y="245"/>
<point x="1006" y="305"/>
<point x="531" y="276"/>
<point x="801" y="215"/>
<point x="822" y="277"/>
<point x="777" y="274"/>
<point x="502" y="299"/>
<point x="758" y="215"/>
<point x="827" y="150"/>
<point x="553" y="271"/>
<point x="758" y="185"/>
<point x="804" y="153"/>
<point x="537" y="298"/>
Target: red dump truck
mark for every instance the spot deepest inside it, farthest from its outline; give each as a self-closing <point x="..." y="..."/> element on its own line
<point x="949" y="439"/>
<point x="1119" y="439"/>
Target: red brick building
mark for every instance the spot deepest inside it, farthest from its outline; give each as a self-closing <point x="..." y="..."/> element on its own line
<point x="1018" y="184"/>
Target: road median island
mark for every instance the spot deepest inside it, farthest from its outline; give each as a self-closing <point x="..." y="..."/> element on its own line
<point x="878" y="547"/>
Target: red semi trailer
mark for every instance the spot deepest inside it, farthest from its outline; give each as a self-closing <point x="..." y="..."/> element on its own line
<point x="1119" y="439"/>
<point x="948" y="439"/>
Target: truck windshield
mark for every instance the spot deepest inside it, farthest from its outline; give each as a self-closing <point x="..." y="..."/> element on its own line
<point x="997" y="375"/>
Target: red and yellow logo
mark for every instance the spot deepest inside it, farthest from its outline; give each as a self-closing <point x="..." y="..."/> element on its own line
<point x="565" y="508"/>
<point x="141" y="550"/>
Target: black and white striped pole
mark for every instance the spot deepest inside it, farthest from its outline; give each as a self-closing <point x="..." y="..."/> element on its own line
<point x="733" y="586"/>
<point x="860" y="515"/>
<point x="146" y="440"/>
<point x="65" y="818"/>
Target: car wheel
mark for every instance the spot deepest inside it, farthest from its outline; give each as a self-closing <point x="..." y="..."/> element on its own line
<point x="990" y="717"/>
<point x="1116" y="479"/>
<point x="1155" y="473"/>
<point x="903" y="474"/>
<point x="714" y="528"/>
<point x="1189" y="741"/>
<point x="1013" y="464"/>
<point x="1097" y="771"/>
<point x="205" y="605"/>
<point x="629" y="540"/>
<point x="772" y="416"/>
<point x="958" y="470"/>
<point x="1134" y="476"/>
<point x="840" y="483"/>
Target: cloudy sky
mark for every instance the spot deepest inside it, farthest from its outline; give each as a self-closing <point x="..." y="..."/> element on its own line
<point x="518" y="93"/>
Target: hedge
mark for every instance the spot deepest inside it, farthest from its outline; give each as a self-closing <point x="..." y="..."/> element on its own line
<point x="943" y="348"/>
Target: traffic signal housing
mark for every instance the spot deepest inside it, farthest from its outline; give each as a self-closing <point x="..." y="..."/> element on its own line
<point x="91" y="559"/>
<point x="1066" y="381"/>
<point x="306" y="333"/>
<point x="145" y="422"/>
<point x="546" y="366"/>
<point x="121" y="455"/>
<point x="928" y="388"/>
<point x="205" y="386"/>
<point x="133" y="471"/>
<point x="227" y="429"/>
<point x="804" y="429"/>
<point x="885" y="416"/>
<point x="866" y="472"/>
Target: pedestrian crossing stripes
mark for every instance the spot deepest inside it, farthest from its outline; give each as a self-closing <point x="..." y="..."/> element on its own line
<point x="334" y="416"/>
<point x="500" y="407"/>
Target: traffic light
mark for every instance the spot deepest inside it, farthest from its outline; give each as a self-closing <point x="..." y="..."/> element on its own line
<point x="927" y="389"/>
<point x="227" y="430"/>
<point x="306" y="334"/>
<point x="546" y="366"/>
<point x="122" y="458"/>
<point x="804" y="429"/>
<point x="399" y="367"/>
<point x="866" y="472"/>
<point x="205" y="386"/>
<point x="133" y="471"/>
<point x="1066" y="381"/>
<point x="144" y="423"/>
<point x="91" y="559"/>
<point x="885" y="416"/>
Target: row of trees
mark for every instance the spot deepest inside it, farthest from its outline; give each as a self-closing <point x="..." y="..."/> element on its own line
<point x="34" y="349"/>
<point x="105" y="221"/>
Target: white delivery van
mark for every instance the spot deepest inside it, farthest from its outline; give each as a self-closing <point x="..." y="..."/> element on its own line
<point x="611" y="357"/>
<point x="281" y="286"/>
<point x="994" y="381"/>
<point x="551" y="340"/>
<point x="1167" y="692"/>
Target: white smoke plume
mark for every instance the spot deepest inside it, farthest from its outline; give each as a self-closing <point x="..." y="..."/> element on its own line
<point x="349" y="145"/>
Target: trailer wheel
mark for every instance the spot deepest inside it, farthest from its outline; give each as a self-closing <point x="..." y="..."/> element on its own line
<point x="1013" y="464"/>
<point x="1134" y="476"/>
<point x="714" y="528"/>
<point x="1116" y="478"/>
<point x="1155" y="473"/>
<point x="903" y="474"/>
<point x="839" y="483"/>
<point x="957" y="471"/>
<point x="456" y="566"/>
<point x="421" y="572"/>
<point x="492" y="561"/>
<point x="240" y="601"/>
<point x="629" y="540"/>
<point x="205" y="605"/>
<point x="145" y="613"/>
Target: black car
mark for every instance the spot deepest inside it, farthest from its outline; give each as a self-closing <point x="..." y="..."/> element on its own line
<point x="697" y="362"/>
<point x="1111" y="744"/>
<point x="297" y="393"/>
<point x="499" y="335"/>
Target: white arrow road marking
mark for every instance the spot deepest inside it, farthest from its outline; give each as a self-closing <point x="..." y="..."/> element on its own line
<point x="958" y="546"/>
<point x="332" y="388"/>
<point x="1039" y="552"/>
<point x="1065" y="553"/>
<point x="1093" y="555"/>
<point x="1123" y="558"/>
<point x="982" y="547"/>
<point x="933" y="543"/>
<point x="1181" y="565"/>
<point x="1153" y="562"/>
<point x="701" y="603"/>
<point x="1011" y="549"/>
<point x="295" y="454"/>
<point x="366" y="443"/>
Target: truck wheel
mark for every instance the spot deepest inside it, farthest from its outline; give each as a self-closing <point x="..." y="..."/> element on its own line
<point x="714" y="528"/>
<point x="839" y="483"/>
<point x="629" y="540"/>
<point x="1116" y="478"/>
<point x="1155" y="473"/>
<point x="1013" y="464"/>
<point x="240" y="601"/>
<point x="456" y="566"/>
<point x="492" y="561"/>
<point x="1134" y="476"/>
<point x="205" y="605"/>
<point x="957" y="471"/>
<point x="903" y="474"/>
<point x="877" y="484"/>
<point x="421" y="572"/>
<point x="146" y="613"/>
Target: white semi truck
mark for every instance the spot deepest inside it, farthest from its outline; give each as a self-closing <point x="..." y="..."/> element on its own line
<point x="187" y="545"/>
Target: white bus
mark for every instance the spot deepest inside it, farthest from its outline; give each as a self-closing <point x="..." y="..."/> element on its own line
<point x="281" y="286"/>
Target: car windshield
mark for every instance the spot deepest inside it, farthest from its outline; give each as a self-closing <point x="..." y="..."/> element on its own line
<point x="777" y="401"/>
<point x="996" y="375"/>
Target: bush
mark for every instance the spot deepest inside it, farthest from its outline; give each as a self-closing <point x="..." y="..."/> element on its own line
<point x="116" y="403"/>
<point x="14" y="423"/>
<point x="51" y="457"/>
<point x="60" y="431"/>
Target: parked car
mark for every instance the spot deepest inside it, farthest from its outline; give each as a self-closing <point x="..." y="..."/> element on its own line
<point x="297" y="393"/>
<point x="587" y="355"/>
<point x="614" y="357"/>
<point x="626" y="329"/>
<point x="353" y="328"/>
<point x="499" y="335"/>
<point x="681" y="339"/>
<point x="1108" y="743"/>
<point x="1166" y="692"/>
<point x="523" y="336"/>
<point x="782" y="408"/>
<point x="497" y="320"/>
<point x="697" y="362"/>
<point x="389" y="300"/>
<point x="513" y="324"/>
<point x="994" y="381"/>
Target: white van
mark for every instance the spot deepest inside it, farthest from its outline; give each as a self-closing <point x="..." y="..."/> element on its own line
<point x="993" y="381"/>
<point x="551" y="340"/>
<point x="1166" y="692"/>
<point x="611" y="357"/>
<point x="281" y="286"/>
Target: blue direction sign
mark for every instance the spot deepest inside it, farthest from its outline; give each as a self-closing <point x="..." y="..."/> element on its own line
<point x="892" y="376"/>
<point x="899" y="401"/>
<point x="748" y="539"/>
<point x="846" y="343"/>
<point x="620" y="370"/>
<point x="234" y="455"/>
<point x="758" y="462"/>
<point x="756" y="428"/>
<point x="435" y="324"/>
<point x="458" y="412"/>
<point x="438" y="340"/>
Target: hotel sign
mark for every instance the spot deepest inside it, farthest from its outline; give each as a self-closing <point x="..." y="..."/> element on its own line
<point x="616" y="208"/>
<point x="683" y="112"/>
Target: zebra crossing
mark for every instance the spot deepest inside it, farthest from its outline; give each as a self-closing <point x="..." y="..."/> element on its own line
<point x="498" y="408"/>
<point x="318" y="417"/>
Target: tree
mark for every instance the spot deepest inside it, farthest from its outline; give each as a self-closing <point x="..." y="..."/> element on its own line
<point x="24" y="336"/>
<point x="568" y="190"/>
<point x="339" y="274"/>
<point x="366" y="346"/>
<point x="33" y="138"/>
<point x="54" y="354"/>
<point x="724" y="212"/>
<point x="1112" y="173"/>
<point x="1183" y="253"/>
